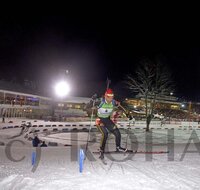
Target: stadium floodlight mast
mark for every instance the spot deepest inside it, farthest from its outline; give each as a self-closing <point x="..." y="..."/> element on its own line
<point x="62" y="89"/>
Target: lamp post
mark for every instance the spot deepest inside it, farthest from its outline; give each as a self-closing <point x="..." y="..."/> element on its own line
<point x="62" y="89"/>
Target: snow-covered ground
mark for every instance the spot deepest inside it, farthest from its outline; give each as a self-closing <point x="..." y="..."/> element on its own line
<point x="58" y="167"/>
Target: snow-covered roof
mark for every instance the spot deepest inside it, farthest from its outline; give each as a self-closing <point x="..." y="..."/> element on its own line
<point x="8" y="87"/>
<point x="72" y="99"/>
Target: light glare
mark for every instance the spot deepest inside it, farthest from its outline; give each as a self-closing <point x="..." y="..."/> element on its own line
<point x="62" y="89"/>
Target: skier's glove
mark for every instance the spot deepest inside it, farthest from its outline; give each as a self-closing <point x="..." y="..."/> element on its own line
<point x="129" y="116"/>
<point x="117" y="103"/>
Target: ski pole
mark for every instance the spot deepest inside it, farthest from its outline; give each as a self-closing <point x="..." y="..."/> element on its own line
<point x="123" y="108"/>
<point x="91" y="119"/>
<point x="128" y="133"/>
<point x="128" y="116"/>
<point x="129" y="125"/>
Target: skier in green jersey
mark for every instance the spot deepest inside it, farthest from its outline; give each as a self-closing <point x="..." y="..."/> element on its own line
<point x="104" y="122"/>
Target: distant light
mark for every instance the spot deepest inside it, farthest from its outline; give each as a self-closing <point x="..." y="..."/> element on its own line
<point x="171" y="93"/>
<point x="62" y="89"/>
<point x="135" y="106"/>
<point x="182" y="105"/>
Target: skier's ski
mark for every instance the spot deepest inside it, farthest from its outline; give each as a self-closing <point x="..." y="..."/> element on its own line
<point x="151" y="152"/>
<point x="134" y="152"/>
<point x="115" y="152"/>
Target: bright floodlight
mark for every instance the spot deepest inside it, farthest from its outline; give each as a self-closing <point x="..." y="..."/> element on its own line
<point x="62" y="89"/>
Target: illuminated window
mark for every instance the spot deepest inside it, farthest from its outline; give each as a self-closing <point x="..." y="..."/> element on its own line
<point x="69" y="105"/>
<point x="60" y="105"/>
<point x="174" y="107"/>
<point x="1" y="97"/>
<point x="77" y="106"/>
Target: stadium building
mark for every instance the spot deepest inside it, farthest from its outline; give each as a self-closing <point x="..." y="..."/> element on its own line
<point x="22" y="102"/>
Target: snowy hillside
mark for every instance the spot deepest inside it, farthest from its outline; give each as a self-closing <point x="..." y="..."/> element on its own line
<point x="58" y="166"/>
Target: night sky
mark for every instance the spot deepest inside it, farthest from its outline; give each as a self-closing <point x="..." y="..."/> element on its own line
<point x="41" y="48"/>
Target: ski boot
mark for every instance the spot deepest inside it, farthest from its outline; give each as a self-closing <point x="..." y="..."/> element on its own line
<point x="120" y="149"/>
<point x="101" y="156"/>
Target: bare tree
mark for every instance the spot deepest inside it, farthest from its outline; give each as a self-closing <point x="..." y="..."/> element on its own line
<point x="151" y="80"/>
